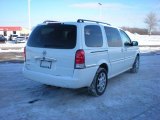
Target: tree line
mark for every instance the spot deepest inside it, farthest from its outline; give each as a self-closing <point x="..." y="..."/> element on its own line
<point x="151" y="21"/>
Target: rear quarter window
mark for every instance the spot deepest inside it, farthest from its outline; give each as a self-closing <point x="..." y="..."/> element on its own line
<point x="56" y="36"/>
<point x="93" y="36"/>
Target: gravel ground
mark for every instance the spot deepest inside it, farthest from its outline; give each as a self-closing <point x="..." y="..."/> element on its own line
<point x="127" y="97"/>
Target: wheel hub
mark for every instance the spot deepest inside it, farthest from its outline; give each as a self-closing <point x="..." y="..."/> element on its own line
<point x="101" y="82"/>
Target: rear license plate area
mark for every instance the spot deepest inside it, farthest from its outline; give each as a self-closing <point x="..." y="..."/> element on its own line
<point x="45" y="64"/>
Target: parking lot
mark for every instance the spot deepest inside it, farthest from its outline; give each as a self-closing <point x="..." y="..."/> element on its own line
<point x="127" y="97"/>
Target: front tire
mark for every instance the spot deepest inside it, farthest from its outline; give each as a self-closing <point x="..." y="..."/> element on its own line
<point x="135" y="66"/>
<point x="99" y="83"/>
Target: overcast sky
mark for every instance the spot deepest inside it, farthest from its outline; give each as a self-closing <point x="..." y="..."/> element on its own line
<point x="116" y="12"/>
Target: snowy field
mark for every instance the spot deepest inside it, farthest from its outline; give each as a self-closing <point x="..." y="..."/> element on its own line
<point x="12" y="47"/>
<point x="127" y="97"/>
<point x="146" y="40"/>
<point x="147" y="43"/>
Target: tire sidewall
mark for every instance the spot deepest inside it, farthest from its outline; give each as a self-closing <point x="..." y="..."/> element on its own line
<point x="135" y="64"/>
<point x="100" y="70"/>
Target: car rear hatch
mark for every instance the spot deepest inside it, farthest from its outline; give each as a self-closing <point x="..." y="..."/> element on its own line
<point x="51" y="49"/>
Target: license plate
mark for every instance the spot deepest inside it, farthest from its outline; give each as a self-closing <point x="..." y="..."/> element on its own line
<point x="46" y="64"/>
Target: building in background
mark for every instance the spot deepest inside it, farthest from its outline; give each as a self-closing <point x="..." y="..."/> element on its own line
<point x="6" y="31"/>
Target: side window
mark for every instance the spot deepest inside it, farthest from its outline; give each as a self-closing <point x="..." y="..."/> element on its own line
<point x="93" y="36"/>
<point x="113" y="37"/>
<point x="125" y="38"/>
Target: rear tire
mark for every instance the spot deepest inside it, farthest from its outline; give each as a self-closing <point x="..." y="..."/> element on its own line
<point x="99" y="83"/>
<point x="135" y="66"/>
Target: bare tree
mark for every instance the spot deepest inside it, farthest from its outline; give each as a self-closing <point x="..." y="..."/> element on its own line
<point x="151" y="21"/>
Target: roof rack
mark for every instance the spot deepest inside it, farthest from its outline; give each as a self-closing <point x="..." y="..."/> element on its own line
<point x="50" y="21"/>
<point x="83" y="20"/>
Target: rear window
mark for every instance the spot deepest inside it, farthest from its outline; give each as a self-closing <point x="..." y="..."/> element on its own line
<point x="53" y="36"/>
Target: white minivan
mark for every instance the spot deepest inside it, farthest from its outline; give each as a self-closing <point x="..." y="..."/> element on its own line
<point x="79" y="54"/>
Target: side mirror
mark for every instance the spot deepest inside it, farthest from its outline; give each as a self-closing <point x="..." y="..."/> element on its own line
<point x="127" y="44"/>
<point x="134" y="43"/>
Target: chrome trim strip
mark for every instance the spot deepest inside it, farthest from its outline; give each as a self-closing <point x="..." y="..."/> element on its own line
<point x="99" y="51"/>
<point x="93" y="65"/>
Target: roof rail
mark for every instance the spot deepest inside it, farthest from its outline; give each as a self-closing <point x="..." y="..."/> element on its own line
<point x="83" y="20"/>
<point x="50" y="21"/>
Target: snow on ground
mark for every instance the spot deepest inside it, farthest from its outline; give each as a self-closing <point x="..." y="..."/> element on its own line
<point x="12" y="47"/>
<point x="11" y="44"/>
<point x="145" y="39"/>
<point x="12" y="50"/>
<point x="127" y="97"/>
<point x="148" y="40"/>
<point x="149" y="49"/>
<point x="146" y="43"/>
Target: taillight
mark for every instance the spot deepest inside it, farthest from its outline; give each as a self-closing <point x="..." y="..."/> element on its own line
<point x="24" y="54"/>
<point x="80" y="59"/>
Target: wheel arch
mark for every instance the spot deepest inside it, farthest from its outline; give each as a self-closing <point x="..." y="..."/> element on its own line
<point x="138" y="54"/>
<point x="104" y="64"/>
<point x="92" y="89"/>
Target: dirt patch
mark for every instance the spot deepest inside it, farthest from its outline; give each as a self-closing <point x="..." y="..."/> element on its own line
<point x="11" y="56"/>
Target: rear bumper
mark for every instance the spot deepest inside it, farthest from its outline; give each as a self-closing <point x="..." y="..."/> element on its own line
<point x="80" y="78"/>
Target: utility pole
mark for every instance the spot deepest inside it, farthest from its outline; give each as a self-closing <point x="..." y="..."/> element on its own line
<point x="100" y="11"/>
<point x="29" y="15"/>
